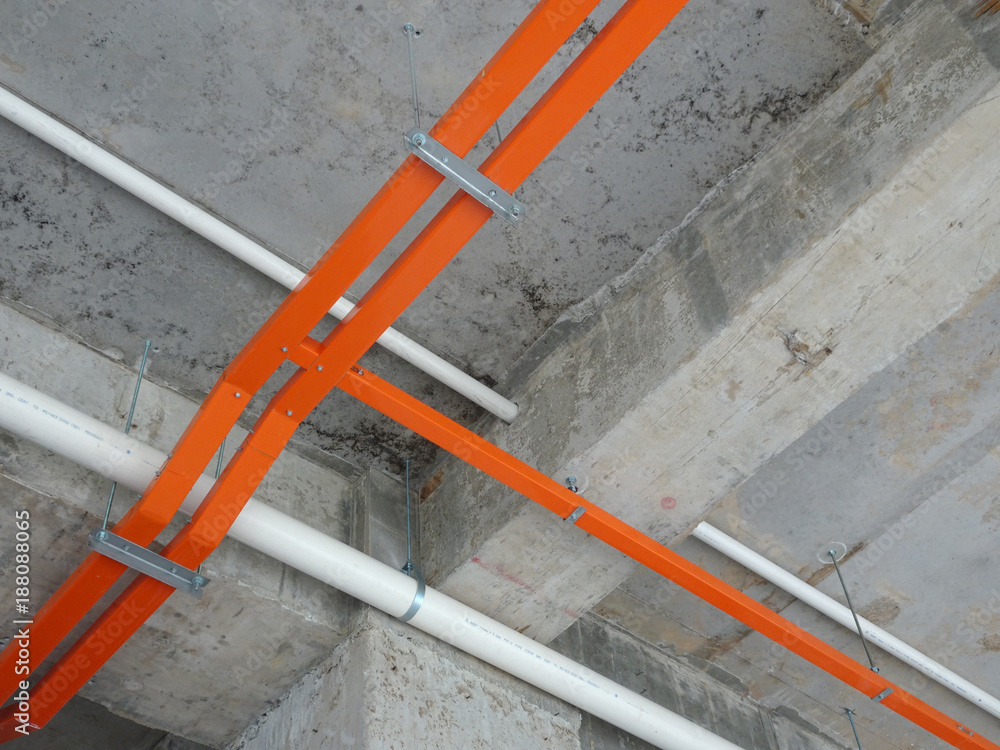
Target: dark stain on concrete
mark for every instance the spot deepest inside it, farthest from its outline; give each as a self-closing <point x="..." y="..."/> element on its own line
<point x="704" y="289"/>
<point x="880" y="90"/>
<point x="990" y="642"/>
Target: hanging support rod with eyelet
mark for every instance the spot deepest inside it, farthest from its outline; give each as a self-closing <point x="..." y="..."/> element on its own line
<point x="857" y="623"/>
<point x="450" y="165"/>
<point x="128" y="428"/>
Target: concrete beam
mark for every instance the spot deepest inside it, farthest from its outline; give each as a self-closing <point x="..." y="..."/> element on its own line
<point x="802" y="277"/>
<point x="259" y="624"/>
<point x="389" y="685"/>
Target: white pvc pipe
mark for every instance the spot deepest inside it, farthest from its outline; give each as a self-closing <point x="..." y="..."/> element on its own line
<point x="71" y="143"/>
<point x="841" y="614"/>
<point x="42" y="419"/>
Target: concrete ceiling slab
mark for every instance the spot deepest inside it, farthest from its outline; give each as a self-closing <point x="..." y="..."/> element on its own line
<point x="284" y="119"/>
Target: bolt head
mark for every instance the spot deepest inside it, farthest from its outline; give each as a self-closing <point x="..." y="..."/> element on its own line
<point x="419" y="140"/>
<point x="197" y="582"/>
<point x="319" y="368"/>
<point x="515" y="211"/>
<point x="238" y="394"/>
<point x="284" y="348"/>
<point x="493" y="194"/>
<point x="288" y="413"/>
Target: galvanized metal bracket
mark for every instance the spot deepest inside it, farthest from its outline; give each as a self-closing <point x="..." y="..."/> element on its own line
<point x="575" y="515"/>
<point x="418" y="595"/>
<point x="471" y="180"/>
<point x="147" y="562"/>
<point x="883" y="695"/>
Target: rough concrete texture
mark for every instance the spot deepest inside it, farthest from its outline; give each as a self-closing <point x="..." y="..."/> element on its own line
<point x="84" y="725"/>
<point x="862" y="174"/>
<point x="392" y="687"/>
<point x="381" y="525"/>
<point x="926" y="491"/>
<point x="675" y="432"/>
<point x="259" y="624"/>
<point x="712" y="698"/>
<point x="285" y="119"/>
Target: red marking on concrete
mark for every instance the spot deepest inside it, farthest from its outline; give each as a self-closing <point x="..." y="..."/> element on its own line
<point x="668" y="503"/>
<point x="497" y="571"/>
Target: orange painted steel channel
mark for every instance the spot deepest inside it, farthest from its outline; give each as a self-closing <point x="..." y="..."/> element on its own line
<point x="477" y="451"/>
<point x="489" y="94"/>
<point x="616" y="48"/>
<point x="142" y="595"/>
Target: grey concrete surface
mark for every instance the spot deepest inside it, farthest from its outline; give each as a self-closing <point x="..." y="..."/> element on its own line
<point x="390" y="686"/>
<point x="294" y="120"/>
<point x="646" y="328"/>
<point x="84" y="725"/>
<point x="682" y="354"/>
<point x="259" y="624"/>
<point x="410" y="690"/>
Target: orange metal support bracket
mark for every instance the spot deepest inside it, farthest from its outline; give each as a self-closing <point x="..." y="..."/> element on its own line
<point x="408" y="276"/>
<point x="479" y="452"/>
<point x="276" y="425"/>
<point x="488" y="95"/>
